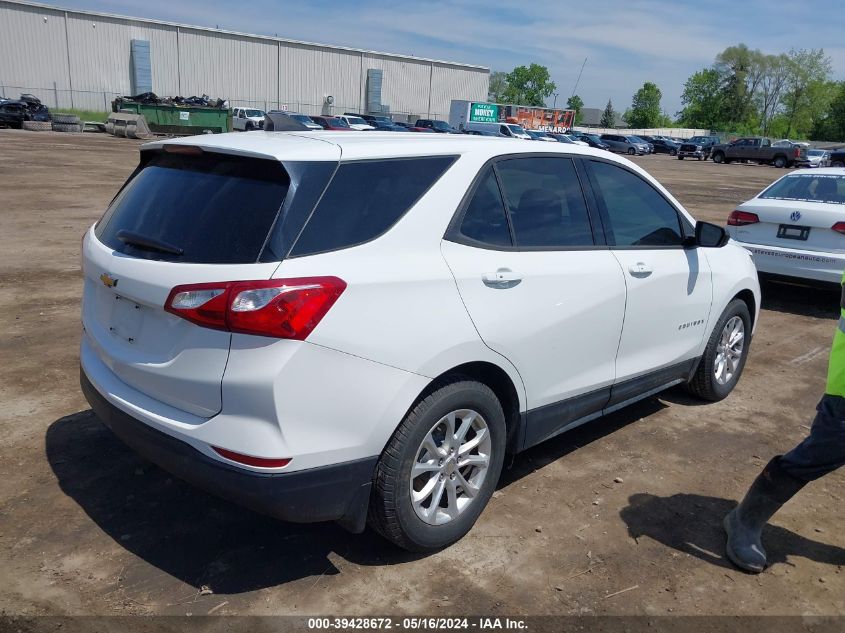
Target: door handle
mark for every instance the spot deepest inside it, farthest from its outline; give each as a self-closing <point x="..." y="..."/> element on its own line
<point x="502" y="278"/>
<point x="640" y="269"/>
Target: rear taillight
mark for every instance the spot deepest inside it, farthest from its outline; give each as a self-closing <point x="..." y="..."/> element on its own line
<point x="281" y="308"/>
<point x="839" y="227"/>
<point x="742" y="218"/>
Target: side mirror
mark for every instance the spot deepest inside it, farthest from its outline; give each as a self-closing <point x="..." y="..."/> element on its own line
<point x="708" y="235"/>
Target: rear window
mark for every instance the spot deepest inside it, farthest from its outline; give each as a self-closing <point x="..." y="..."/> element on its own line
<point x="205" y="209"/>
<point x="365" y="199"/>
<point x="828" y="188"/>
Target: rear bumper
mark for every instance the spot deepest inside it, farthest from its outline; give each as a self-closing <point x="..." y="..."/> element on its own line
<point x="339" y="492"/>
<point x="803" y="264"/>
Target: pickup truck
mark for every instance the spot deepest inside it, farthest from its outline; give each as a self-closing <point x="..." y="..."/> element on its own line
<point x="758" y="150"/>
<point x="247" y="119"/>
<point x="697" y="147"/>
<point x="837" y="157"/>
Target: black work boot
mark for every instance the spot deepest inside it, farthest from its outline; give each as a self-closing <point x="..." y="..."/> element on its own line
<point x="744" y="524"/>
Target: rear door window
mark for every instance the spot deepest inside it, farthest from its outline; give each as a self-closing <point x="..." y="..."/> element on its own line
<point x="545" y="201"/>
<point x="207" y="209"/>
<point x="365" y="199"/>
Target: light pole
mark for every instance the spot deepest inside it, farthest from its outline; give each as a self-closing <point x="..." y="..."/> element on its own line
<point x="554" y="104"/>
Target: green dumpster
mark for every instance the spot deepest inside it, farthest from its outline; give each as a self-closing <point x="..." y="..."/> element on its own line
<point x="189" y="120"/>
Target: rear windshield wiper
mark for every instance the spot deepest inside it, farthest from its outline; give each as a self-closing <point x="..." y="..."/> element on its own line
<point x="148" y="243"/>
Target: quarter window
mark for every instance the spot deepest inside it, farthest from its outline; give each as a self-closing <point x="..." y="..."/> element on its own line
<point x="636" y="214"/>
<point x="545" y="201"/>
<point x="365" y="199"/>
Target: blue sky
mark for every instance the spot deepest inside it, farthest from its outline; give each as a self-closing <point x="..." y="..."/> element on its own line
<point x="627" y="42"/>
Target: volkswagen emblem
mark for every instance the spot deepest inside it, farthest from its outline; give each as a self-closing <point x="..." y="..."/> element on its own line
<point x="795" y="216"/>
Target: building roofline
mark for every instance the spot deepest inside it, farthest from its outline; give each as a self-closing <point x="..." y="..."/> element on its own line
<point x="284" y="40"/>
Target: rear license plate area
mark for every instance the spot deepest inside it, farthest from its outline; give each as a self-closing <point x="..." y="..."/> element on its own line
<point x="787" y="232"/>
<point x="126" y="318"/>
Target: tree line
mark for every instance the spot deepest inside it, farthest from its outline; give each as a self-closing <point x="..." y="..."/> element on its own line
<point x="744" y="91"/>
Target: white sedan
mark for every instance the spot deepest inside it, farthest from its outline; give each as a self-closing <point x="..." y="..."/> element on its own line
<point x="796" y="226"/>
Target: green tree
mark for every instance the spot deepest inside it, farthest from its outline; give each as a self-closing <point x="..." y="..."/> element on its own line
<point x="645" y="107"/>
<point x="702" y="101"/>
<point x="529" y="85"/>
<point x="608" y="117"/>
<point x="807" y="72"/>
<point x="576" y="103"/>
<point x="831" y="125"/>
<point x="498" y="86"/>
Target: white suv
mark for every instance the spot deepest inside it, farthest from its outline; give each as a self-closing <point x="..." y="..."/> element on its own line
<point x="336" y="326"/>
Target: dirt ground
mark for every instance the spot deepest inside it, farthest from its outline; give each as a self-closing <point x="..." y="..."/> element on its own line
<point x="86" y="527"/>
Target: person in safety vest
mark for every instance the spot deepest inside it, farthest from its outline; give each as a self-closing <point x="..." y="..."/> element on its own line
<point x="821" y="452"/>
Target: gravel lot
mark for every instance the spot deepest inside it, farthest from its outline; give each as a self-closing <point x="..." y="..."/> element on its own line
<point x="86" y="527"/>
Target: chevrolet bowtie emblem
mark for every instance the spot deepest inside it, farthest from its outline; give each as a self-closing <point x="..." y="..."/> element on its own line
<point x="108" y="280"/>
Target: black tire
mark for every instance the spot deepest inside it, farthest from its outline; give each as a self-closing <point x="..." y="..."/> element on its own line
<point x="701" y="158"/>
<point x="67" y="127"/>
<point x="704" y="384"/>
<point x="249" y="126"/>
<point x="66" y="118"/>
<point x="718" y="157"/>
<point x="780" y="162"/>
<point x="838" y="163"/>
<point x="680" y="158"/>
<point x="631" y="151"/>
<point x="673" y="152"/>
<point x="391" y="512"/>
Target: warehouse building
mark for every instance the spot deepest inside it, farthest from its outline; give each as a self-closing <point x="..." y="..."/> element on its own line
<point x="83" y="60"/>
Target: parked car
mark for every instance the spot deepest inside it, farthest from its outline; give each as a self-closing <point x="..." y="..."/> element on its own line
<point x="648" y="143"/>
<point x="623" y="144"/>
<point x="511" y="130"/>
<point x="540" y="136"/>
<point x="247" y="119"/>
<point x="697" y="147"/>
<point x="371" y="118"/>
<point x="796" y="226"/>
<point x="306" y="120"/>
<point x="814" y="158"/>
<point x="785" y="142"/>
<point x="569" y="138"/>
<point x="484" y="133"/>
<point x="436" y="125"/>
<point x="662" y="146"/>
<point x="387" y="126"/>
<point x="252" y="324"/>
<point x="593" y="140"/>
<point x="356" y="123"/>
<point x="759" y="150"/>
<point x="331" y="123"/>
<point x="837" y="157"/>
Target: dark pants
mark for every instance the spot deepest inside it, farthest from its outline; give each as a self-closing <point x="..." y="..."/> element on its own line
<point x="823" y="450"/>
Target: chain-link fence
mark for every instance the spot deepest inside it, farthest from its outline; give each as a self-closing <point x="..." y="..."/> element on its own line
<point x="100" y="101"/>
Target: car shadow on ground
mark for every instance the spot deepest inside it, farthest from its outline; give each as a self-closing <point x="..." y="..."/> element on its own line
<point x="820" y="300"/>
<point x="189" y="534"/>
<point x="203" y="540"/>
<point x="692" y="524"/>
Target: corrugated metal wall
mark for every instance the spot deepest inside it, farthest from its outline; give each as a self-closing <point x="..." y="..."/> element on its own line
<point x="80" y="59"/>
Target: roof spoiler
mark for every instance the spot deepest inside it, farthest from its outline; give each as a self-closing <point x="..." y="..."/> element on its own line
<point x="281" y="122"/>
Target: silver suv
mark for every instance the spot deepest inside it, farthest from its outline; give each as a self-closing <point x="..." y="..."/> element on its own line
<point x="622" y="144"/>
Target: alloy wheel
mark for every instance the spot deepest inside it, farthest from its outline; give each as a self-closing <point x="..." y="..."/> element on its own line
<point x="450" y="466"/>
<point x="729" y="350"/>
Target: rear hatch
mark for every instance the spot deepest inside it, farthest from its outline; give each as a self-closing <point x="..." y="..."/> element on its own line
<point x="186" y="216"/>
<point x="804" y="211"/>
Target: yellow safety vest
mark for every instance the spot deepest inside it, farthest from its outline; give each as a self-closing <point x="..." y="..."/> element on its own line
<point x="836" y="364"/>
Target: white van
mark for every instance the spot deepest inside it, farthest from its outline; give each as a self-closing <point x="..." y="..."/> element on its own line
<point x="511" y="130"/>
